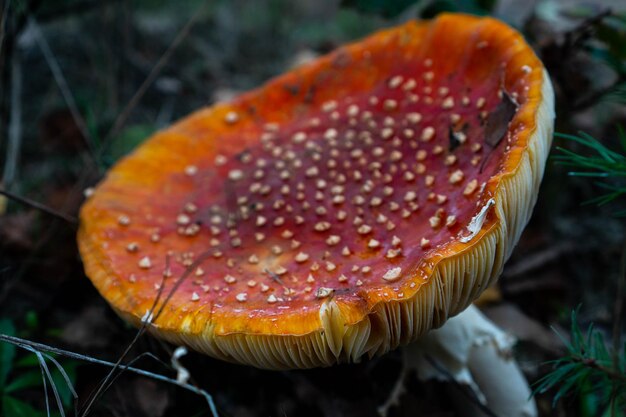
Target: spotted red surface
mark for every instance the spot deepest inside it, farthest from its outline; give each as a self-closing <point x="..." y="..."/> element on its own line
<point x="346" y="195"/>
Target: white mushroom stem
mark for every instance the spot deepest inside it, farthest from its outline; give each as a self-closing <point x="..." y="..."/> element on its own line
<point x="473" y="351"/>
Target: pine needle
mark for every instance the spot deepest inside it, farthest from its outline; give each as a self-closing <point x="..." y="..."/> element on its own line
<point x="588" y="362"/>
<point x="597" y="161"/>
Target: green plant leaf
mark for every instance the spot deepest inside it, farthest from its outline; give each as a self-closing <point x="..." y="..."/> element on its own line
<point x="27" y="361"/>
<point x="31" y="320"/>
<point x="12" y="407"/>
<point x="26" y="380"/>
<point x="7" y="352"/>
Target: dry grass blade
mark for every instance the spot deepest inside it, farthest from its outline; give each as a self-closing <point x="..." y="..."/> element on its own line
<point x="40" y="347"/>
<point x="15" y="122"/>
<point x="65" y="91"/>
<point x="64" y="374"/>
<point x="45" y="390"/>
<point x="55" y="391"/>
<point x="156" y="70"/>
<point x="618" y="309"/>
<point x="3" y="23"/>
<point x="34" y="204"/>
<point x="46" y="377"/>
<point x="147" y="320"/>
<point x="110" y="377"/>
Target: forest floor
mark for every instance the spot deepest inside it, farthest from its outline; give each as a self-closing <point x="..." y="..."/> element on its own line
<point x="110" y="73"/>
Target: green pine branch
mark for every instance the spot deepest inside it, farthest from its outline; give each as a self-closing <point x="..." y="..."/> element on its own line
<point x="597" y="161"/>
<point x="589" y="365"/>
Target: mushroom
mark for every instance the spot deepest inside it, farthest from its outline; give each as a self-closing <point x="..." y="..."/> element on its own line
<point x="472" y="351"/>
<point x="343" y="209"/>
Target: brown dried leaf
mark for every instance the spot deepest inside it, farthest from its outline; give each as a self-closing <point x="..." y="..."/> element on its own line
<point x="498" y="120"/>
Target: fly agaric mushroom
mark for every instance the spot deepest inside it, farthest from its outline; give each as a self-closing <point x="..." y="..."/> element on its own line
<point x="341" y="210"/>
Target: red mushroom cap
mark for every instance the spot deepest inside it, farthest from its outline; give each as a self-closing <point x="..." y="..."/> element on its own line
<point x="342" y="209"/>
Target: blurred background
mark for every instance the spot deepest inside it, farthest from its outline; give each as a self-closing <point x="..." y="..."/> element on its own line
<point x="82" y="82"/>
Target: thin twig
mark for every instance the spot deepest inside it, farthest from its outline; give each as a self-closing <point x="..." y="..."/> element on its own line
<point x="615" y="375"/>
<point x="398" y="389"/>
<point x="156" y="70"/>
<point x="28" y="345"/>
<point x="148" y="319"/>
<point x="3" y="23"/>
<point x="136" y="359"/>
<point x="537" y="260"/>
<point x="201" y="258"/>
<point x="106" y="381"/>
<point x="39" y="206"/>
<point x="617" y="311"/>
<point x="65" y="91"/>
<point x="460" y="387"/>
<point x="594" y="96"/>
<point x="15" y="122"/>
<point x="574" y="36"/>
